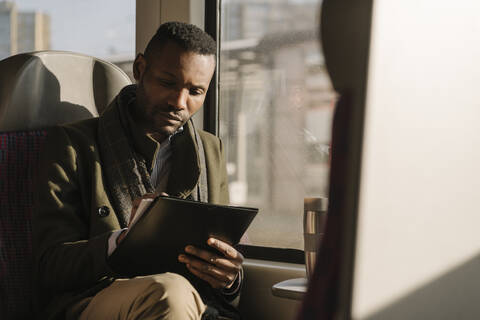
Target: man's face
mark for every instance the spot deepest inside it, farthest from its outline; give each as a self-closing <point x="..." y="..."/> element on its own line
<point x="171" y="87"/>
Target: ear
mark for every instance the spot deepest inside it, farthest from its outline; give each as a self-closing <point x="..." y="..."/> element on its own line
<point x="139" y="66"/>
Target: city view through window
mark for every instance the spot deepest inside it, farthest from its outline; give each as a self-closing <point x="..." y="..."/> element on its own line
<point x="103" y="29"/>
<point x="276" y="107"/>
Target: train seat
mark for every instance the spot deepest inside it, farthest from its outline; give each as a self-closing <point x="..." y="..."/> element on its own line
<point x="38" y="90"/>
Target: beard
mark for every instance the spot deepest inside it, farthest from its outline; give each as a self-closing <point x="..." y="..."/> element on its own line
<point x="166" y="122"/>
<point x="159" y="120"/>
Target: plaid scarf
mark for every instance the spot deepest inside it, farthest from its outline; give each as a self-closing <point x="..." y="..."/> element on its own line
<point x="125" y="170"/>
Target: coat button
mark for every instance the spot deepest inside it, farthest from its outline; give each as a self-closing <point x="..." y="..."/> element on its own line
<point x="103" y="211"/>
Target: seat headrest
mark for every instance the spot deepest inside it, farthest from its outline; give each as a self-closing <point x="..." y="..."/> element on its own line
<point x="45" y="88"/>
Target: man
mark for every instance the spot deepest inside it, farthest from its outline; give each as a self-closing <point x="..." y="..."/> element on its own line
<point x="94" y="172"/>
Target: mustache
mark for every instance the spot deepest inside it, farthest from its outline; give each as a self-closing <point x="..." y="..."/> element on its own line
<point x="170" y="112"/>
<point x="170" y="108"/>
<point x="167" y="108"/>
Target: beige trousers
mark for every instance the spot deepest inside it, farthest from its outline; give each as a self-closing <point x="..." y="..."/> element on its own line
<point x="165" y="296"/>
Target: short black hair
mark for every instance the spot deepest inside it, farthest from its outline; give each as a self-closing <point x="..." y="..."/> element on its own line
<point x="187" y="36"/>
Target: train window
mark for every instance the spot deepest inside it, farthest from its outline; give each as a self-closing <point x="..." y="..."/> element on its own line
<point x="276" y="106"/>
<point x="104" y="29"/>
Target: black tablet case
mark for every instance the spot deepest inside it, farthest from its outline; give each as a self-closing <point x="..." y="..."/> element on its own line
<point x="153" y="244"/>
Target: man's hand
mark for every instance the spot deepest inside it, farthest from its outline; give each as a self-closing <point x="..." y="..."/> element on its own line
<point x="220" y="271"/>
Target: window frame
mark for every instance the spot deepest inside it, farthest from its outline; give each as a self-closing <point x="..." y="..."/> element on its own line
<point x="210" y="106"/>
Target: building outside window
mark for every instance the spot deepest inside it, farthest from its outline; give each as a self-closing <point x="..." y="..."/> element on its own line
<point x="103" y="29"/>
<point x="276" y="107"/>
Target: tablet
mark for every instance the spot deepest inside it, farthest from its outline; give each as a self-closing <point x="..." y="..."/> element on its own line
<point x="164" y="226"/>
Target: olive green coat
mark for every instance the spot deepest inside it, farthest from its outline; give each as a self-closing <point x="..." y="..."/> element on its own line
<point x="70" y="234"/>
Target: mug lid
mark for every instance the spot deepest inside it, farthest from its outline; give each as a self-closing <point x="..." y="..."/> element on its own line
<point x="315" y="204"/>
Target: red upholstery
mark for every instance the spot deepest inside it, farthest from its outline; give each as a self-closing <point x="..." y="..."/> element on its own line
<point x="19" y="154"/>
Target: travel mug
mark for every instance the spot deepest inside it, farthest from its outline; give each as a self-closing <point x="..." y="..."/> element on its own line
<point x="314" y="222"/>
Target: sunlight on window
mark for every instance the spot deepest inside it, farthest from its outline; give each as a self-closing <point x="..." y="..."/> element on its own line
<point x="276" y="107"/>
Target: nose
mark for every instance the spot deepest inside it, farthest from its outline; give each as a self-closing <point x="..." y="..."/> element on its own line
<point x="178" y="98"/>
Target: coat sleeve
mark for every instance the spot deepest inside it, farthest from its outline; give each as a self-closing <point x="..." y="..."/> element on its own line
<point x="66" y="257"/>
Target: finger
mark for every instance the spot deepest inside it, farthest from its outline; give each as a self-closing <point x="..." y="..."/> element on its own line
<point x="214" y="283"/>
<point x="121" y="236"/>
<point x="149" y="196"/>
<point x="225" y="248"/>
<point x="136" y="202"/>
<point x="227" y="276"/>
<point x="135" y="205"/>
<point x="226" y="264"/>
<point x="214" y="259"/>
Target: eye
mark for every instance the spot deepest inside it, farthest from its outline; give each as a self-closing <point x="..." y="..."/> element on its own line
<point x="196" y="91"/>
<point x="166" y="83"/>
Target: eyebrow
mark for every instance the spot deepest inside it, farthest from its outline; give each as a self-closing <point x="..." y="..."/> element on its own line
<point x="168" y="74"/>
<point x="193" y="85"/>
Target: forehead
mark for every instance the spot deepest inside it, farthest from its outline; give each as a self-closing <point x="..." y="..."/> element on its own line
<point x="172" y="58"/>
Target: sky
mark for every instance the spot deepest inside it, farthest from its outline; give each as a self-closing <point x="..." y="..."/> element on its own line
<point x="95" y="27"/>
<point x="100" y="28"/>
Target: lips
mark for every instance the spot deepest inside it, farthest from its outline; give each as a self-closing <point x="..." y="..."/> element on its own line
<point x="173" y="117"/>
<point x="170" y="116"/>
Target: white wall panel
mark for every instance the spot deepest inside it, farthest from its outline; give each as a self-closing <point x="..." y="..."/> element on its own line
<point x="418" y="239"/>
